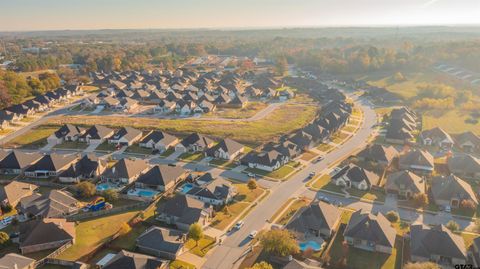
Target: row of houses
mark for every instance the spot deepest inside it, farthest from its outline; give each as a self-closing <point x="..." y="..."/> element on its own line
<point x="273" y="155"/>
<point x="468" y="141"/>
<point x="402" y="126"/>
<point x="40" y="103"/>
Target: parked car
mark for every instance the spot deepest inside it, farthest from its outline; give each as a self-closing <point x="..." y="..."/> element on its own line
<point x="252" y="175"/>
<point x="239" y="224"/>
<point x="253" y="234"/>
<point x="317" y="160"/>
<point x="448" y="209"/>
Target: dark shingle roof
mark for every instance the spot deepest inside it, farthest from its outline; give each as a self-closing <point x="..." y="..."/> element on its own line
<point x="426" y="241"/>
<point x="161" y="175"/>
<point x="43" y="231"/>
<point x="161" y="239"/>
<point x="316" y="216"/>
<point x="130" y="260"/>
<point x="373" y="228"/>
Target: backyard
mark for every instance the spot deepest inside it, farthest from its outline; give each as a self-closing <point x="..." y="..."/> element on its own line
<point x="33" y="139"/>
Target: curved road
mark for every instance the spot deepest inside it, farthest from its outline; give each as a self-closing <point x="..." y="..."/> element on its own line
<point x="230" y="253"/>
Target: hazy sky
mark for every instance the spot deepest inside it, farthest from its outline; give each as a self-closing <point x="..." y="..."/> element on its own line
<point x="23" y="15"/>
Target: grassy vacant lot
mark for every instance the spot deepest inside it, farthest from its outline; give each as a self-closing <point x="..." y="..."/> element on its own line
<point x="91" y="233"/>
<point x="453" y="121"/>
<point x="248" y="111"/>
<point x="279" y="122"/>
<point x="359" y="259"/>
<point x="35" y="138"/>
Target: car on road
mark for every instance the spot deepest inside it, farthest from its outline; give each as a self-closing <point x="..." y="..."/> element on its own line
<point x="317" y="160"/>
<point x="172" y="164"/>
<point x="252" y="234"/>
<point x="311" y="175"/>
<point x="252" y="175"/>
<point x="239" y="224"/>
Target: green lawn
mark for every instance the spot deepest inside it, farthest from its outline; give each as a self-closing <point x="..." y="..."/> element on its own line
<point x="452" y="121"/>
<point x="105" y="146"/>
<point x="178" y="264"/>
<point x="325" y="147"/>
<point x="35" y="138"/>
<point x="349" y="129"/>
<point x="192" y="157"/>
<point x="201" y="249"/>
<point x="244" y="194"/>
<point x="223" y="163"/>
<point x="91" y="233"/>
<point x="127" y="241"/>
<point x="167" y="152"/>
<point x="138" y="150"/>
<point x="324" y="183"/>
<point x="71" y="145"/>
<point x="359" y="259"/>
<point x="290" y="212"/>
<point x="225" y="217"/>
<point x="280" y="173"/>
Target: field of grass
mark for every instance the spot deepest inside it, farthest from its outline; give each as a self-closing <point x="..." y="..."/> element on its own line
<point x="452" y="121"/>
<point x="191" y="157"/>
<point x="248" y="111"/>
<point x="223" y="163"/>
<point x="167" y="152"/>
<point x="325" y="147"/>
<point x="91" y="233"/>
<point x="281" y="121"/>
<point x="244" y="194"/>
<point x="35" y="138"/>
<point x="308" y="155"/>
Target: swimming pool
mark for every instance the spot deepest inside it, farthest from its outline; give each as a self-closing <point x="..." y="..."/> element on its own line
<point x="105" y="186"/>
<point x="187" y="187"/>
<point x="309" y="244"/>
<point x="142" y="193"/>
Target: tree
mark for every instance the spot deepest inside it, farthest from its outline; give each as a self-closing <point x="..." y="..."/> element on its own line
<point x="421" y="265"/>
<point x="124" y="229"/>
<point x="252" y="184"/>
<point x="468" y="204"/>
<point x="5" y="98"/>
<point x="281" y="66"/>
<point x="261" y="265"/>
<point x="195" y="232"/>
<point x="4" y="238"/>
<point x="86" y="189"/>
<point x="6" y="208"/>
<point x="453" y="226"/>
<point x="279" y="242"/>
<point x="420" y="199"/>
<point x="110" y="195"/>
<point x="392" y="216"/>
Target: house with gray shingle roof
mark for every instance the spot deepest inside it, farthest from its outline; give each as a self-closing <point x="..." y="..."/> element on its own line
<point x="96" y="134"/>
<point x="319" y="219"/>
<point x="417" y="160"/>
<point x="51" y="165"/>
<point x="377" y="153"/>
<point x="17" y="161"/>
<point x="466" y="166"/>
<point x="437" y="244"/>
<point x="161" y="177"/>
<point x="468" y="142"/>
<point x="126" y="136"/>
<point x="16" y="261"/>
<point x="370" y="232"/>
<point x="162" y="242"/>
<point x="67" y="132"/>
<point x="353" y="176"/>
<point x="182" y="211"/>
<point x="125" y="171"/>
<point x="48" y="233"/>
<point x="436" y="137"/>
<point x="405" y="183"/>
<point x="54" y="204"/>
<point x="216" y="192"/>
<point x="451" y="191"/>
<point x="130" y="260"/>
<point x="226" y="149"/>
<point x="158" y="140"/>
<point x="14" y="191"/>
<point x="195" y="142"/>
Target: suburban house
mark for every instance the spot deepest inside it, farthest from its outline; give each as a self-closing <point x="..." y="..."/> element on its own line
<point x="267" y="161"/>
<point x="319" y="219"/>
<point x="468" y="142"/>
<point x="126" y="136"/>
<point x="17" y="161"/>
<point x="182" y="211"/>
<point x="417" y="160"/>
<point x="379" y="154"/>
<point x="161" y="177"/>
<point x="126" y="259"/>
<point x="436" y="137"/>
<point x="50" y="165"/>
<point x="370" y="232"/>
<point x="353" y="176"/>
<point x="161" y="242"/>
<point x="96" y="134"/>
<point x="16" y="261"/>
<point x="226" y="149"/>
<point x="216" y="192"/>
<point x="465" y="166"/>
<point x="43" y="234"/>
<point x="194" y="143"/>
<point x="54" y="204"/>
<point x="11" y="193"/>
<point x="88" y="167"/>
<point x="158" y="140"/>
<point x="67" y="132"/>
<point x="437" y="244"/>
<point x="125" y="171"/>
<point x="451" y="191"/>
<point x="405" y="184"/>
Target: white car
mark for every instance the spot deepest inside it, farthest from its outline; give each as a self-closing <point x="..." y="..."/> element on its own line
<point x="253" y="234"/>
<point x="239" y="224"/>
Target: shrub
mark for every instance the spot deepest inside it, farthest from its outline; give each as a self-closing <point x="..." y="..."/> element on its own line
<point x="124" y="228"/>
<point x="86" y="189"/>
<point x="453" y="226"/>
<point x="392" y="216"/>
<point x="110" y="195"/>
<point x="420" y="199"/>
<point x="6" y="208"/>
<point x="252" y="184"/>
<point x="261" y="265"/>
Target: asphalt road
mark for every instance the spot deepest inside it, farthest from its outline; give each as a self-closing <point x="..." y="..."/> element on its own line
<point x="234" y="246"/>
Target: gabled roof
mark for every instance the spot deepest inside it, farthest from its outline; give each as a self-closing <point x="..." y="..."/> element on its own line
<point x="417" y="157"/>
<point x="268" y="158"/>
<point x="406" y="179"/>
<point x="216" y="189"/>
<point x="19" y="160"/>
<point x="161" y="239"/>
<point x="85" y="166"/>
<point x="374" y="228"/>
<point x="438" y="240"/>
<point x="357" y="174"/>
<point x="452" y="187"/>
<point x="128" y="133"/>
<point x="436" y="133"/>
<point x="68" y="129"/>
<point x="316" y="216"/>
<point x="46" y="230"/>
<point x="161" y="175"/>
<point x="464" y="163"/>
<point x="13" y="260"/>
<point x="126" y="168"/>
<point x="53" y="204"/>
<point x="379" y="152"/>
<point x="98" y="132"/>
<point x="15" y="190"/>
<point x="52" y="162"/>
<point x="159" y="136"/>
<point x="188" y="210"/>
<point x="227" y="145"/>
<point x="130" y="260"/>
<point x="468" y="137"/>
<point x="197" y="138"/>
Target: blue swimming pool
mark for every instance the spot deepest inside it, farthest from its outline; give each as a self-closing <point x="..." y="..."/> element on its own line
<point x="147" y="193"/>
<point x="309" y="244"/>
<point x="187" y="187"/>
<point x="105" y="186"/>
